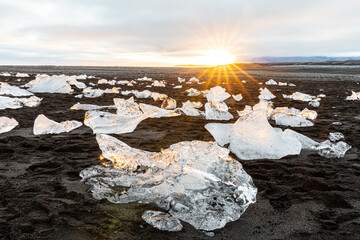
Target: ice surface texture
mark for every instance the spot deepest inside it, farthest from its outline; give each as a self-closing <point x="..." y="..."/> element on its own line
<point x="162" y="221"/>
<point x="265" y="94"/>
<point x="215" y="110"/>
<point x="196" y="181"/>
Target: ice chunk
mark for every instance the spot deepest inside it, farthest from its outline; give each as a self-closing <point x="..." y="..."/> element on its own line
<point x="105" y="122"/>
<point x="145" y="79"/>
<point x="5" y="74"/>
<point x="158" y="112"/>
<point x="162" y="221"/>
<point x="44" y="125"/>
<point x="243" y="81"/>
<point x="142" y="94"/>
<point x="333" y="150"/>
<point x="102" y="81"/>
<point x="306" y="142"/>
<point x="127" y="107"/>
<point x="291" y="120"/>
<point x="123" y="82"/>
<point x="217" y="111"/>
<point x="298" y="96"/>
<point x="21" y="75"/>
<point x="32" y="101"/>
<point x="169" y="103"/>
<point x="217" y="94"/>
<point x="72" y="81"/>
<point x="314" y="103"/>
<point x="83" y="77"/>
<point x="271" y="82"/>
<point x="291" y="85"/>
<point x="337" y="123"/>
<point x="6" y="89"/>
<point x="127" y="92"/>
<point x="181" y="80"/>
<point x="252" y="137"/>
<point x="14" y="103"/>
<point x="192" y="92"/>
<point x="238" y="97"/>
<point x="282" y="83"/>
<point x="157" y="83"/>
<point x="46" y="84"/>
<point x="189" y="104"/>
<point x="196" y="181"/>
<point x="321" y="95"/>
<point x="158" y="96"/>
<point x="7" y="124"/>
<point x="265" y="94"/>
<point x="177" y="87"/>
<point x="354" y="96"/>
<point x="89" y="92"/>
<point x="220" y="132"/>
<point x="87" y="107"/>
<point x="335" y="136"/>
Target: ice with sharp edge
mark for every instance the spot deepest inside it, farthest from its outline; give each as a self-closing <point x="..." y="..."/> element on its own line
<point x="162" y="221"/>
<point x="49" y="84"/>
<point x="217" y="111"/>
<point x="6" y="89"/>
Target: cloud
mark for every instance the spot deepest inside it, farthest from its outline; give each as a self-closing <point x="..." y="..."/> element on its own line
<point x="161" y="32"/>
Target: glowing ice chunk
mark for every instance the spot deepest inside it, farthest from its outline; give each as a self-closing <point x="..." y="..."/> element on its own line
<point x="196" y="181"/>
<point x="298" y="96"/>
<point x="158" y="112"/>
<point x="169" y="103"/>
<point x="157" y="83"/>
<point x="220" y="132"/>
<point x="192" y="92"/>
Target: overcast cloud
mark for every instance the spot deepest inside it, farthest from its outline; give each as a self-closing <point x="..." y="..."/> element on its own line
<point x="164" y="32"/>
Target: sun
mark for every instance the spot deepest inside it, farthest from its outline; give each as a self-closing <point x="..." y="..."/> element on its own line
<point x="213" y="57"/>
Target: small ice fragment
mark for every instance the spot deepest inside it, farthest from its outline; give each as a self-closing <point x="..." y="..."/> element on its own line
<point x="265" y="94"/>
<point x="162" y="221"/>
<point x="298" y="96"/>
<point x="246" y="111"/>
<point x="123" y="82"/>
<point x="145" y="79"/>
<point x="282" y="84"/>
<point x="5" y="74"/>
<point x="192" y="104"/>
<point x="314" y="103"/>
<point x="217" y="94"/>
<point x="6" y="89"/>
<point x="87" y="107"/>
<point x="337" y="123"/>
<point x="271" y="82"/>
<point x="102" y="81"/>
<point x="158" y="96"/>
<point x="158" y="112"/>
<point x="335" y="136"/>
<point x="169" y="103"/>
<point x="92" y="93"/>
<point x="142" y="94"/>
<point x="243" y="81"/>
<point x="82" y="77"/>
<point x="44" y="125"/>
<point x="177" y="87"/>
<point x="157" y="83"/>
<point x="22" y="75"/>
<point x="192" y="92"/>
<point x="104" y="122"/>
<point x="291" y="85"/>
<point x="333" y="150"/>
<point x="354" y="96"/>
<point x="217" y="111"/>
<point x="321" y="95"/>
<point x="238" y="97"/>
<point x="7" y="124"/>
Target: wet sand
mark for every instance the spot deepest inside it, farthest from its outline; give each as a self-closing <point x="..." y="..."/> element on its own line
<point x="299" y="197"/>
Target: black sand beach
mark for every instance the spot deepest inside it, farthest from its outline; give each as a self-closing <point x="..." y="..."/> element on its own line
<point x="299" y="197"/>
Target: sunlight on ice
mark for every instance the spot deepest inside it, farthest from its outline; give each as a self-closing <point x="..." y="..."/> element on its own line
<point x="7" y="124"/>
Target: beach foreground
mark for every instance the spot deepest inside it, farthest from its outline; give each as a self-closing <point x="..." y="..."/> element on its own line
<point x="299" y="197"/>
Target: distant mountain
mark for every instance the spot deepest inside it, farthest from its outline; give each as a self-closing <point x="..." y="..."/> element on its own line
<point x="300" y="59"/>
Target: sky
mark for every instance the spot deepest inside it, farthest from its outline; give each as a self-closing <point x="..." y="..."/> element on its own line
<point x="171" y="32"/>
